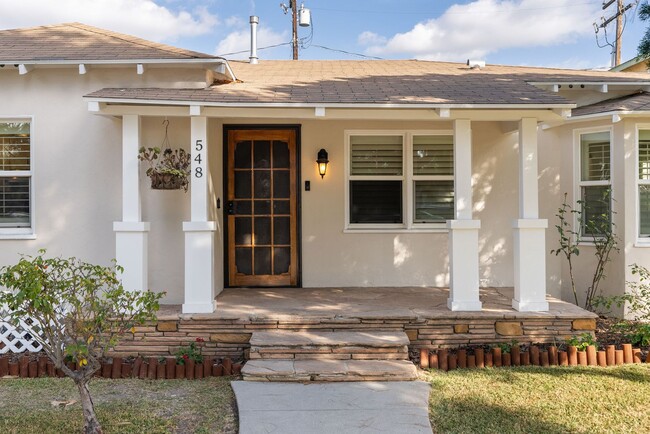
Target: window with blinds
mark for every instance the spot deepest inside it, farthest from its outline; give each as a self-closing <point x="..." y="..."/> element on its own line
<point x="376" y="179"/>
<point x="643" y="183"/>
<point x="376" y="155"/>
<point x="384" y="188"/>
<point x="433" y="175"/>
<point x="595" y="193"/>
<point x="15" y="175"/>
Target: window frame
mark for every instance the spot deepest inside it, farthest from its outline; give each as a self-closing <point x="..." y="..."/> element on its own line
<point x="26" y="232"/>
<point x="578" y="183"/>
<point x="638" y="182"/>
<point x="407" y="178"/>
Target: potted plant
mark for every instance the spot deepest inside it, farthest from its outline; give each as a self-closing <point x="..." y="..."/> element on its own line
<point x="169" y="169"/>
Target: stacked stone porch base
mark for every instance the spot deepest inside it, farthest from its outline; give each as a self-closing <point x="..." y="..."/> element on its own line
<point x="420" y="313"/>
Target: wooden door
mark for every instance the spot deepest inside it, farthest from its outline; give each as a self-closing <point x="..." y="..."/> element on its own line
<point x="262" y="208"/>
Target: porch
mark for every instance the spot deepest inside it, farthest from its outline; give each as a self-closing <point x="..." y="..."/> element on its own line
<point x="420" y="312"/>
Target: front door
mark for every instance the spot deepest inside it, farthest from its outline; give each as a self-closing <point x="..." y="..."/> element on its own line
<point x="262" y="208"/>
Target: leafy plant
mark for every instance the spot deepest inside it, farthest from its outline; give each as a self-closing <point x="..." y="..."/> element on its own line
<point x="191" y="352"/>
<point x="80" y="312"/>
<point x="600" y="229"/>
<point x="170" y="162"/>
<point x="640" y="335"/>
<point x="582" y="342"/>
<point x="636" y="298"/>
<point x="506" y="347"/>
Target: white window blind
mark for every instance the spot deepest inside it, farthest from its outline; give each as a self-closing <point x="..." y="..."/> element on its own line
<point x="15" y="176"/>
<point x="14" y="146"/>
<point x="595" y="195"/>
<point x="376" y="155"/>
<point x="595" y="157"/>
<point x="433" y="155"/>
<point x="643" y="183"/>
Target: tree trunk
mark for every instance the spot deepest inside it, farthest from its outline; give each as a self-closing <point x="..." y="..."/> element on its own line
<point x="91" y="423"/>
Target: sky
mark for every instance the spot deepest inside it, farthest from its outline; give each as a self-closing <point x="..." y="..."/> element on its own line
<point x="554" y="33"/>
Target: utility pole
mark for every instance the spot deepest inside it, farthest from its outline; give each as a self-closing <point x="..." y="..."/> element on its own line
<point x="294" y="18"/>
<point x="621" y="8"/>
<point x="619" y="31"/>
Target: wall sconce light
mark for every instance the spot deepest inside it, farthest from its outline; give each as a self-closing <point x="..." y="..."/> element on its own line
<point x="322" y="162"/>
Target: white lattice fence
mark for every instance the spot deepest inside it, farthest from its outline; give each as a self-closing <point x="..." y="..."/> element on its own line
<point x="18" y="339"/>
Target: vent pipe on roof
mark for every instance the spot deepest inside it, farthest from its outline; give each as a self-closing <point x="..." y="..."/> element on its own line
<point x="476" y="64"/>
<point x="253" y="57"/>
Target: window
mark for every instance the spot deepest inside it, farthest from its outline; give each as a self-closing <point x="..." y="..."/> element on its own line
<point x="15" y="178"/>
<point x="644" y="183"/>
<point x="401" y="180"/>
<point x="594" y="182"/>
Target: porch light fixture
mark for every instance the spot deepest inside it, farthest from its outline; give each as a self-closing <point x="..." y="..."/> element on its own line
<point x="322" y="162"/>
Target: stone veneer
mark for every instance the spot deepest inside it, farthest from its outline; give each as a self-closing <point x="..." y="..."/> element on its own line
<point x="230" y="337"/>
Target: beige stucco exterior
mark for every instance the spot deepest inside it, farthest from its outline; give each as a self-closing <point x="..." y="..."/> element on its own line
<point x="77" y="190"/>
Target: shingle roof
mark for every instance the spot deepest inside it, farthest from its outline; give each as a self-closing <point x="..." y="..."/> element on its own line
<point x="79" y="42"/>
<point x="408" y="82"/>
<point x="636" y="102"/>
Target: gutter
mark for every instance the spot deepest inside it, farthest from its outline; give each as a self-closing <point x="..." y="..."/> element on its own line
<point x="327" y="105"/>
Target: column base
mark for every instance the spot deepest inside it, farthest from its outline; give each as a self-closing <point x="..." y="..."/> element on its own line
<point x="469" y="306"/>
<point x="199" y="267"/>
<point x="131" y="240"/>
<point x="530" y="306"/>
<point x="530" y="265"/>
<point x="463" y="265"/>
<point x="200" y="307"/>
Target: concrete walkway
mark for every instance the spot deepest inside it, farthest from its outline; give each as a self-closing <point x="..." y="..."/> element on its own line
<point x="340" y="408"/>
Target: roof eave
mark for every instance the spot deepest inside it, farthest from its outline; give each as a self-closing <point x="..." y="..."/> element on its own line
<point x="328" y="105"/>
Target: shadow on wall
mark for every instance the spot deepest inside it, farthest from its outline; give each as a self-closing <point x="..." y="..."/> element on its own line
<point x="495" y="185"/>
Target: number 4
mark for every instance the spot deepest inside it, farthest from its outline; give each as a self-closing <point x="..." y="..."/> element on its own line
<point x="198" y="158"/>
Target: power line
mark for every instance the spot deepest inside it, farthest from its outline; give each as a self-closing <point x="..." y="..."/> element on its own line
<point x="347" y="52"/>
<point x="261" y="48"/>
<point x="446" y="11"/>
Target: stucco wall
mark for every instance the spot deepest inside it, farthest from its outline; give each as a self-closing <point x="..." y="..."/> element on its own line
<point x="332" y="257"/>
<point x="76" y="161"/>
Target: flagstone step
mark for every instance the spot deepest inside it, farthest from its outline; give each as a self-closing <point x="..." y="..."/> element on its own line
<point x="329" y="370"/>
<point x="340" y="345"/>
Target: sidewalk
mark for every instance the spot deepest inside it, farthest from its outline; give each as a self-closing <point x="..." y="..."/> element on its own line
<point x="341" y="408"/>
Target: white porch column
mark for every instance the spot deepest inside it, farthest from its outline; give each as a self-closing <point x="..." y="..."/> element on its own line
<point x="529" y="230"/>
<point x="131" y="234"/>
<point x="199" y="232"/>
<point x="463" y="231"/>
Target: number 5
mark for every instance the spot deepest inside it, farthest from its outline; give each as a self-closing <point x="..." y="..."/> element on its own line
<point x="199" y="145"/>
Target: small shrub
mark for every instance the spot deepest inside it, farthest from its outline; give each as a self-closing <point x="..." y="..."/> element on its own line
<point x="582" y="342"/>
<point x="637" y="299"/>
<point x="191" y="352"/>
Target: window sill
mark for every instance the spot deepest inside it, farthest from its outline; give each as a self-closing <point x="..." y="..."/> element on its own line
<point x="642" y="243"/>
<point x="15" y="236"/>
<point x="441" y="230"/>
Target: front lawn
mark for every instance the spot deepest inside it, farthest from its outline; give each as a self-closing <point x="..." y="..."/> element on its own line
<point x="123" y="406"/>
<point x="541" y="400"/>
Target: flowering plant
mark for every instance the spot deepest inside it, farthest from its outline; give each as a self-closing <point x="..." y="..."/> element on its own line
<point x="190" y="352"/>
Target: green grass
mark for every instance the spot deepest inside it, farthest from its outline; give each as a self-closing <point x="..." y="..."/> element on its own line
<point x="541" y="400"/>
<point x="122" y="406"/>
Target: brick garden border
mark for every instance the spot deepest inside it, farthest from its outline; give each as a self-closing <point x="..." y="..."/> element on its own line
<point x="149" y="368"/>
<point x="477" y="358"/>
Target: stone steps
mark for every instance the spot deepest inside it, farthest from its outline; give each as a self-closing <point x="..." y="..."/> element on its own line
<point x="329" y="356"/>
<point x="340" y="345"/>
<point x="329" y="370"/>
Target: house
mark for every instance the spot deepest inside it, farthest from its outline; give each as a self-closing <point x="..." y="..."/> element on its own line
<point x="636" y="64"/>
<point x="439" y="174"/>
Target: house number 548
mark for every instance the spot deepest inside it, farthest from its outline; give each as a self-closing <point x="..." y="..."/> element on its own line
<point x="198" y="170"/>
